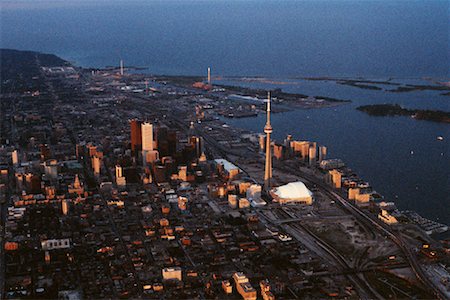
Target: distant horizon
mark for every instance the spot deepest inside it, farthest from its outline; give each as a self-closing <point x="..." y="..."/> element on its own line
<point x="369" y="39"/>
<point x="237" y="76"/>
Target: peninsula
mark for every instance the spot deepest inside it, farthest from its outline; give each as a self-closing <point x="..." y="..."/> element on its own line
<point x="396" y="110"/>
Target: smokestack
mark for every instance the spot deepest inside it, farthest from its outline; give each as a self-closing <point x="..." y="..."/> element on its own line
<point x="209" y="75"/>
<point x="121" y="67"/>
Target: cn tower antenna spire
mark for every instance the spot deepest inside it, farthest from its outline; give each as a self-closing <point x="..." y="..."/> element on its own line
<point x="268" y="130"/>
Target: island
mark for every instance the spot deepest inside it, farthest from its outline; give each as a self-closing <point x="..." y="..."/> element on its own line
<point x="397" y="110"/>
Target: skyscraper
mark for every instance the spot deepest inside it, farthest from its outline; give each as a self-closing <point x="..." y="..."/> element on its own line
<point x="322" y="153"/>
<point x="268" y="131"/>
<point x="136" y="135"/>
<point x="147" y="136"/>
<point x="15" y="157"/>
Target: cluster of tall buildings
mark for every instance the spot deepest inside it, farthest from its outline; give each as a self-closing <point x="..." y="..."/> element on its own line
<point x="160" y="154"/>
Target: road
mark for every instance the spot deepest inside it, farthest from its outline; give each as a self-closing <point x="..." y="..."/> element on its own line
<point x="382" y="229"/>
<point x="371" y="224"/>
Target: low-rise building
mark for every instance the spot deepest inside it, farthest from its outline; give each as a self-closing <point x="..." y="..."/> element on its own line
<point x="173" y="273"/>
<point x="294" y="192"/>
<point x="387" y="218"/>
<point x="244" y="287"/>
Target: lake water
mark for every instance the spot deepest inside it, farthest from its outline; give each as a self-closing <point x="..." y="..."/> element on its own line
<point x="407" y="38"/>
<point x="377" y="148"/>
<point x="281" y="39"/>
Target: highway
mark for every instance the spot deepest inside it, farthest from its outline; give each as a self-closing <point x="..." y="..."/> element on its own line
<point x="370" y="224"/>
<point x="364" y="218"/>
<point x="363" y="287"/>
<point x="359" y="282"/>
<point x="3" y="210"/>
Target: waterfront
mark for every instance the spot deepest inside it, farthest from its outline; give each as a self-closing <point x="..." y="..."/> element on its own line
<point x="305" y="38"/>
<point x="399" y="156"/>
<point x="163" y="227"/>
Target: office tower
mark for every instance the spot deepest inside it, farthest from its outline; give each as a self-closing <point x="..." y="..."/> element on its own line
<point x="197" y="143"/>
<point x="172" y="140"/>
<point x="120" y="179"/>
<point x="119" y="171"/>
<point x="150" y="156"/>
<point x="254" y="192"/>
<point x="136" y="135"/>
<point x="15" y="157"/>
<point x="50" y="192"/>
<point x="287" y="141"/>
<point x="147" y="136"/>
<point x="268" y="166"/>
<point x="312" y="153"/>
<point x="45" y="152"/>
<point x="322" y="153"/>
<point x="80" y="151"/>
<point x="51" y="169"/>
<point x="261" y="140"/>
<point x="334" y="178"/>
<point x="35" y="184"/>
<point x="92" y="150"/>
<point x="182" y="173"/>
<point x="96" y="165"/>
<point x="65" y="207"/>
<point x="287" y="145"/>
<point x="278" y="151"/>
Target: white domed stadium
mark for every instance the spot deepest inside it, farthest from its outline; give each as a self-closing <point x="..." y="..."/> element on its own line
<point x="293" y="192"/>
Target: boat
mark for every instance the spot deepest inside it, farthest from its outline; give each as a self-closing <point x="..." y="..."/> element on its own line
<point x="440" y="138"/>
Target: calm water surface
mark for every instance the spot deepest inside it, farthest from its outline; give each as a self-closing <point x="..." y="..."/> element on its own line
<point x="280" y="39"/>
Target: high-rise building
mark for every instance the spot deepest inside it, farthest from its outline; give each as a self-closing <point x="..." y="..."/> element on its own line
<point x="312" y="153"/>
<point x="322" y="153"/>
<point x="118" y="171"/>
<point x="288" y="146"/>
<point x="151" y="156"/>
<point x="278" y="151"/>
<point x="51" y="169"/>
<point x="65" y="206"/>
<point x="268" y="166"/>
<point x="262" y="141"/>
<point x="136" y="135"/>
<point x="120" y="179"/>
<point x="15" y="157"/>
<point x="334" y="178"/>
<point x="45" y="152"/>
<point x="147" y="136"/>
<point x="80" y="151"/>
<point x="96" y="165"/>
<point x="92" y="150"/>
<point x="254" y="192"/>
<point x="197" y="142"/>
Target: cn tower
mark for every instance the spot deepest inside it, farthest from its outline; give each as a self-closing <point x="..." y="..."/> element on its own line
<point x="268" y="131"/>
